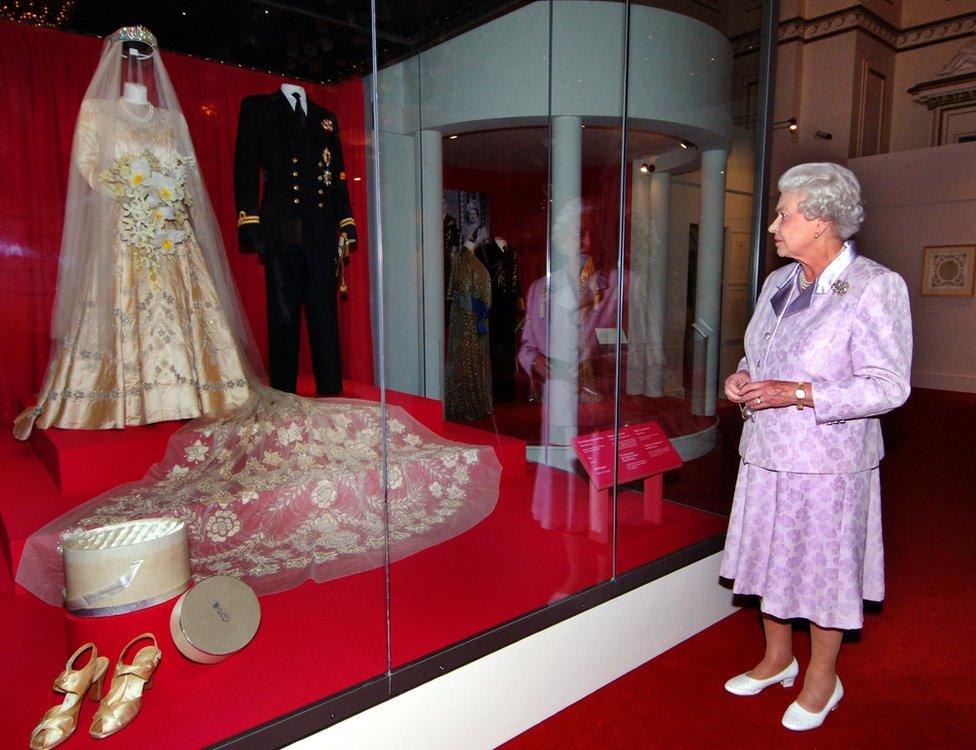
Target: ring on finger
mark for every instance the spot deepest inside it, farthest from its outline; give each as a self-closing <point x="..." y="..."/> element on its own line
<point x="758" y="399"/>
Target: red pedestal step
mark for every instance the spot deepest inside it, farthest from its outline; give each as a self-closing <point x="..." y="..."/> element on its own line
<point x="84" y="463"/>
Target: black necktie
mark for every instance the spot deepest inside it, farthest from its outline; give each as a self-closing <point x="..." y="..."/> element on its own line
<point x="299" y="112"/>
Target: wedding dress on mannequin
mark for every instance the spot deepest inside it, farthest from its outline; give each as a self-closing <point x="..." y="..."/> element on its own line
<point x="140" y="332"/>
<point x="274" y="488"/>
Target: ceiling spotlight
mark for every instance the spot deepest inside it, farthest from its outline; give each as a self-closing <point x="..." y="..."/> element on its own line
<point x="357" y="179"/>
<point x="823" y="135"/>
<point x="646" y="168"/>
<point x="453" y="137"/>
<point x="685" y="144"/>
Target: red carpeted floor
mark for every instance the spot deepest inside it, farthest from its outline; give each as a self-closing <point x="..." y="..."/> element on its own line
<point x="320" y="639"/>
<point x="909" y="676"/>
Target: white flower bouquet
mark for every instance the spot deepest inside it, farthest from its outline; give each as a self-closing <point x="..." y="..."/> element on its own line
<point x="155" y="204"/>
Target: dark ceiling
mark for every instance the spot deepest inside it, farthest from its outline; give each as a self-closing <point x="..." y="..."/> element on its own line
<point x="315" y="40"/>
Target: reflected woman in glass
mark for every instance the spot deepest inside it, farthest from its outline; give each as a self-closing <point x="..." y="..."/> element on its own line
<point x="828" y="350"/>
<point x="581" y="292"/>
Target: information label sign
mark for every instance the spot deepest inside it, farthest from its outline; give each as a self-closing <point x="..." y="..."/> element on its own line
<point x="644" y="450"/>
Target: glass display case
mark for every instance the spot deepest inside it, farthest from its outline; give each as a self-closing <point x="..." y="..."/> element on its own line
<point x="552" y="207"/>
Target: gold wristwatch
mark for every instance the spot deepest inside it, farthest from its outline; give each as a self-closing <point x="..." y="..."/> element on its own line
<point x="800" y="393"/>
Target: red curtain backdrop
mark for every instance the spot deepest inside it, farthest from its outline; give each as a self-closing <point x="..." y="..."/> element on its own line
<point x="43" y="77"/>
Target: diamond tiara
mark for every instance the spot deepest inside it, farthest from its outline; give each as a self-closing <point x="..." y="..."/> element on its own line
<point x="135" y="34"/>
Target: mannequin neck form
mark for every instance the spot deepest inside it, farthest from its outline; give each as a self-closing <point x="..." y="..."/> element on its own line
<point x="135" y="93"/>
<point x="290" y="88"/>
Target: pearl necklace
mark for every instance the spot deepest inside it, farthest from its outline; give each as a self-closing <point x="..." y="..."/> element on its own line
<point x="138" y="118"/>
<point x="804" y="284"/>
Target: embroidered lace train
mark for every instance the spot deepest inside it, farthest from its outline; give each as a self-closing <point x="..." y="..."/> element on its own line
<point x="287" y="489"/>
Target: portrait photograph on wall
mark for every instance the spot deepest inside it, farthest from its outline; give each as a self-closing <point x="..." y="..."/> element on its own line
<point x="471" y="212"/>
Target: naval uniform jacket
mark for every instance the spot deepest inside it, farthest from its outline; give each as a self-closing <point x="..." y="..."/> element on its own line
<point x="851" y="337"/>
<point x="290" y="181"/>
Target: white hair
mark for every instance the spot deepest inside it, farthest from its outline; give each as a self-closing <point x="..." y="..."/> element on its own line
<point x="829" y="191"/>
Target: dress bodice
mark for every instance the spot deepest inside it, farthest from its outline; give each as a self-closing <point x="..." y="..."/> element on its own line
<point x="109" y="130"/>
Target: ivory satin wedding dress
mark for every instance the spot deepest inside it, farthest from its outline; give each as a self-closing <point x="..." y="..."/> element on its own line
<point x="170" y="353"/>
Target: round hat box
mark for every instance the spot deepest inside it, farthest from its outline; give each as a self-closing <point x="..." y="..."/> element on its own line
<point x="215" y="619"/>
<point x="124" y="567"/>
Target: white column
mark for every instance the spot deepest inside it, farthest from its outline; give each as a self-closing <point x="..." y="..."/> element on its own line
<point x="637" y="292"/>
<point x="657" y="286"/>
<point x="561" y="397"/>
<point x="432" y="233"/>
<point x="708" y="292"/>
<point x="650" y="244"/>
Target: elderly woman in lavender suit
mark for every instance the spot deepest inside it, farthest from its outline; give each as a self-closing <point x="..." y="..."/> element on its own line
<point x="828" y="350"/>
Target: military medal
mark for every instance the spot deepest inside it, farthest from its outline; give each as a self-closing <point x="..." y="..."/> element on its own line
<point x="327" y="175"/>
<point x="327" y="126"/>
<point x="327" y="156"/>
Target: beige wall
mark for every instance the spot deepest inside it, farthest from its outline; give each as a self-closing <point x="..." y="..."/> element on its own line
<point x="825" y="88"/>
<point x="911" y="123"/>
<point x="819" y="80"/>
<point x="870" y="54"/>
<point x="914" y="199"/>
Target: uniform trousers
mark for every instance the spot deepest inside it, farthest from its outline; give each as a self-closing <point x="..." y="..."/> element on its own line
<point x="294" y="281"/>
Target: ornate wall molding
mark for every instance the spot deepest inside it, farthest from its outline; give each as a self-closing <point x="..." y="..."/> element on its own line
<point x="808" y="30"/>
<point x="933" y="33"/>
<point x="813" y="29"/>
<point x="937" y="100"/>
<point x="954" y="84"/>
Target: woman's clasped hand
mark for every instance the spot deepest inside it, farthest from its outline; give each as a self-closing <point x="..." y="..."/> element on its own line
<point x="760" y="394"/>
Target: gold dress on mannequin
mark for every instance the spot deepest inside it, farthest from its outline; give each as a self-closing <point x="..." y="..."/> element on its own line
<point x="171" y="354"/>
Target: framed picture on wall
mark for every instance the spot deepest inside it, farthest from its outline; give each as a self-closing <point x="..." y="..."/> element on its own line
<point x="947" y="270"/>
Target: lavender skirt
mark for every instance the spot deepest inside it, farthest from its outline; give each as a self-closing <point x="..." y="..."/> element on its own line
<point x="808" y="544"/>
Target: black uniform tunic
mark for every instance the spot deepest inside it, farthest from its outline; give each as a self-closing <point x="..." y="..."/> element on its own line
<point x="293" y="202"/>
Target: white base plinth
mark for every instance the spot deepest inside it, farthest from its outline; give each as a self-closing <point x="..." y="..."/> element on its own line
<point x="491" y="700"/>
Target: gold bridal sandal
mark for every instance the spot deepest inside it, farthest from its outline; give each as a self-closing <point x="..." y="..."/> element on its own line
<point x="59" y="722"/>
<point x="122" y="702"/>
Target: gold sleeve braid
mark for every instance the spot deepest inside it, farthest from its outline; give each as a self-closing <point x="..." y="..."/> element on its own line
<point x="244" y="218"/>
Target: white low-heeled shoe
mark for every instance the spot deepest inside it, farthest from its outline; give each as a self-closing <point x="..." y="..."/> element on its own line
<point x="743" y="684"/>
<point x="799" y="719"/>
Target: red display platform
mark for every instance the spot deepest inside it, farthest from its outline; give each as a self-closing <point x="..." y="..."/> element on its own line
<point x="321" y="638"/>
<point x="84" y="463"/>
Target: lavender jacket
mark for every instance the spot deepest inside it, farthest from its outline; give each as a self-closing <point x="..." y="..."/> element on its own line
<point x="850" y="335"/>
